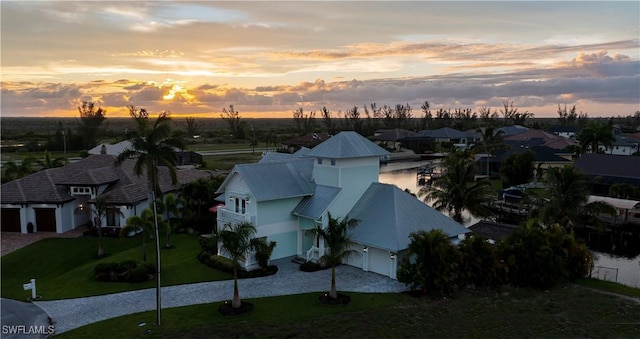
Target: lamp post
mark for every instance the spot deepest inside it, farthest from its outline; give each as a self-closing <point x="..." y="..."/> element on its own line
<point x="64" y="143"/>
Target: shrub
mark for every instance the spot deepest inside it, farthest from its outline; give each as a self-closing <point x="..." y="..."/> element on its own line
<point x="125" y="271"/>
<point x="310" y="266"/>
<point x="480" y="265"/>
<point x="263" y="252"/>
<point x="226" y="265"/>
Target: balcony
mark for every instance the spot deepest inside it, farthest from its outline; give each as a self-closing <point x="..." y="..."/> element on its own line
<point x="231" y="217"/>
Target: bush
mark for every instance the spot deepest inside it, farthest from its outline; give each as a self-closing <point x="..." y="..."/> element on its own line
<point x="310" y="266"/>
<point x="125" y="271"/>
<point x="226" y="265"/>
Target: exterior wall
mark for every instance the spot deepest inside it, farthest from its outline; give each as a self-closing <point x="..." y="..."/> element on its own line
<point x="66" y="217"/>
<point x="286" y="244"/>
<point x="620" y="150"/>
<point x="276" y="211"/>
<point x="375" y="260"/>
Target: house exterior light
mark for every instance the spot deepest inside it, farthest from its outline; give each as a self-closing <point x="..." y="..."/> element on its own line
<point x="365" y="249"/>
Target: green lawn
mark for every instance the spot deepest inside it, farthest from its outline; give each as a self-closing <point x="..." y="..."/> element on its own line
<point x="565" y="312"/>
<point x="63" y="267"/>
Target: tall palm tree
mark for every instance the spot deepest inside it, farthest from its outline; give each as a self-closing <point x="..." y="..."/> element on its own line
<point x="567" y="202"/>
<point x="237" y="240"/>
<point x="339" y="245"/>
<point x="152" y="144"/>
<point x="595" y="134"/>
<point x="457" y="190"/>
<point x="101" y="207"/>
<point x="49" y="162"/>
<point x="491" y="141"/>
<point x="13" y="170"/>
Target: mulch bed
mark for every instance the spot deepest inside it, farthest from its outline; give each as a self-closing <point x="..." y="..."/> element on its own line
<point x="342" y="299"/>
<point x="226" y="309"/>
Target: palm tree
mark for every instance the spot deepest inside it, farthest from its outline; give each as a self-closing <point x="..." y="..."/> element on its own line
<point x="595" y="134"/>
<point x="101" y="207"/>
<point x="174" y="208"/>
<point x="145" y="224"/>
<point x="491" y="140"/>
<point x="48" y="162"/>
<point x="339" y="245"/>
<point x="152" y="145"/>
<point x="567" y="203"/>
<point x="236" y="240"/>
<point x="457" y="190"/>
<point x="16" y="171"/>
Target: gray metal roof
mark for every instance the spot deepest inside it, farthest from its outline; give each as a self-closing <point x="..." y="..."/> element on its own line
<point x="347" y="144"/>
<point x="389" y="215"/>
<point x="270" y="181"/>
<point x="445" y="132"/>
<point x="271" y="157"/>
<point x="314" y="206"/>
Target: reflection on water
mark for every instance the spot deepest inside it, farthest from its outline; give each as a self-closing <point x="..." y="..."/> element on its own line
<point x="404" y="175"/>
<point x="623" y="270"/>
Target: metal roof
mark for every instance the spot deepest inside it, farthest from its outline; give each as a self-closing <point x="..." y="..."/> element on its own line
<point x="347" y="144"/>
<point x="615" y="202"/>
<point x="388" y="215"/>
<point x="271" y="181"/>
<point x="314" y="206"/>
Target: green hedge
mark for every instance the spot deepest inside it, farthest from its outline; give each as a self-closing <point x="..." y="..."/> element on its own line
<point x="124" y="271"/>
<point x="226" y="265"/>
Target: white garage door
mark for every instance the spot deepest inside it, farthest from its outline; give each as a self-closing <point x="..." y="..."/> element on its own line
<point x="379" y="261"/>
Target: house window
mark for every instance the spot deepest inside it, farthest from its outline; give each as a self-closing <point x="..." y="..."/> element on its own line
<point x="319" y="161"/>
<point x="113" y="217"/>
<point x="241" y="205"/>
<point x="333" y="162"/>
<point x="80" y="190"/>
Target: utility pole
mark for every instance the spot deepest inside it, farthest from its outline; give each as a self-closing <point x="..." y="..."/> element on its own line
<point x="64" y="143"/>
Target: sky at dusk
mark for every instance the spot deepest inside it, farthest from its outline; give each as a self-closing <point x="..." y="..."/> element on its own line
<point x="269" y="58"/>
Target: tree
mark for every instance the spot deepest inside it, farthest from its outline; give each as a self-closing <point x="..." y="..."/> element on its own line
<point x="327" y="119"/>
<point x="567" y="117"/>
<point x="567" y="202"/>
<point x="457" y="190"/>
<point x="175" y="209"/>
<point x="145" y="224"/>
<point x="624" y="191"/>
<point x="338" y="245"/>
<point x="263" y="251"/>
<point x="89" y="125"/>
<point x="491" y="141"/>
<point x="595" y="134"/>
<point x="14" y="170"/>
<point x="305" y="123"/>
<point x="432" y="263"/>
<point x="193" y="128"/>
<point x="480" y="261"/>
<point x="512" y="116"/>
<point x="236" y="125"/>
<point x="101" y="207"/>
<point x="236" y="240"/>
<point x="517" y="168"/>
<point x="152" y="145"/>
<point x="199" y="195"/>
<point x="48" y="162"/>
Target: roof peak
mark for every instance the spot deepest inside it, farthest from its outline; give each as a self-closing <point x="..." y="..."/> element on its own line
<point x="347" y="144"/>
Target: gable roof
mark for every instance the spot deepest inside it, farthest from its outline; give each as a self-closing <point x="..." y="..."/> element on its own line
<point x="111" y="149"/>
<point x="270" y="156"/>
<point x="51" y="185"/>
<point x="275" y="180"/>
<point x="314" y="206"/>
<point x="307" y="140"/>
<point x="444" y="133"/>
<point x="394" y="134"/>
<point x="388" y="215"/>
<point x="347" y="144"/>
<point x="536" y="137"/>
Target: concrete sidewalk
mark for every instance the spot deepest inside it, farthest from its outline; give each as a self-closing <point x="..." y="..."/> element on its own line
<point x="69" y="314"/>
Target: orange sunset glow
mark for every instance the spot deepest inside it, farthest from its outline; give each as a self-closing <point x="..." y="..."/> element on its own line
<point x="269" y="58"/>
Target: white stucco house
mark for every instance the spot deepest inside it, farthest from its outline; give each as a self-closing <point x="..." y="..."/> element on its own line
<point x="60" y="199"/>
<point x="284" y="195"/>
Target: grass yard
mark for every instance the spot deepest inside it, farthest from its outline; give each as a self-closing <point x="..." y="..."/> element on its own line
<point x="565" y="312"/>
<point x="63" y="268"/>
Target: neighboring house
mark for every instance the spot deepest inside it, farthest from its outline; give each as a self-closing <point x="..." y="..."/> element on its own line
<point x="447" y="134"/>
<point x="285" y="196"/>
<point x="606" y="170"/>
<point x="114" y="149"/>
<point x="622" y="146"/>
<point x="184" y="158"/>
<point x="391" y="138"/>
<point x="493" y="231"/>
<point x="512" y="130"/>
<point x="308" y="140"/>
<point x="565" y="131"/>
<point x="60" y="199"/>
<point x="534" y="137"/>
<point x="544" y="157"/>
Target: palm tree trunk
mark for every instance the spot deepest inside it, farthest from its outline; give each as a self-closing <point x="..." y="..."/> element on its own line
<point x="236" y="296"/>
<point x="157" y="241"/>
<point x="100" y="247"/>
<point x="333" y="294"/>
<point x="144" y="247"/>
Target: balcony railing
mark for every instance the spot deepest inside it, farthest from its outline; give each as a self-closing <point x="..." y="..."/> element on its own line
<point x="227" y="216"/>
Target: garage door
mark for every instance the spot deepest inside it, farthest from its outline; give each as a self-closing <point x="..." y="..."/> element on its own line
<point x="379" y="261"/>
<point x="10" y="220"/>
<point x="46" y="219"/>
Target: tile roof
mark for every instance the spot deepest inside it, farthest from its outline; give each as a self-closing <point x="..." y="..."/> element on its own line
<point x="607" y="165"/>
<point x="50" y="185"/>
<point x="388" y="215"/>
<point x="347" y="144"/>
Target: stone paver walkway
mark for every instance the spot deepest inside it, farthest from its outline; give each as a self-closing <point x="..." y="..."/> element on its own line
<point x="69" y="314"/>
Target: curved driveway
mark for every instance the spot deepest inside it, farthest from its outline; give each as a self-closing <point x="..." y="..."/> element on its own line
<point x="69" y="314"/>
